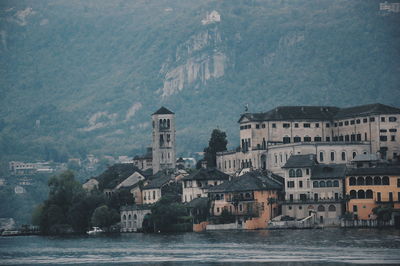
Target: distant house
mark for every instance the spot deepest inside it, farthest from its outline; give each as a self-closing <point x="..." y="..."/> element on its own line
<point x="313" y="189"/>
<point x="195" y="184"/>
<point x="145" y="161"/>
<point x="252" y="198"/>
<point x="90" y="184"/>
<point x="132" y="217"/>
<point x="152" y="192"/>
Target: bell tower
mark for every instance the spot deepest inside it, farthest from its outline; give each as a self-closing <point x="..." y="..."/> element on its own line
<point x="163" y="145"/>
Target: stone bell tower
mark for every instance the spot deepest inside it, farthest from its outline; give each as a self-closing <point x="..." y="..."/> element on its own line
<point x="164" y="148"/>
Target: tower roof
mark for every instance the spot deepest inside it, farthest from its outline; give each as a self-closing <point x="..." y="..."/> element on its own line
<point x="163" y="111"/>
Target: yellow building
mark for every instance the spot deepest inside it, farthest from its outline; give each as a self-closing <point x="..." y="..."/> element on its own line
<point x="367" y="188"/>
<point x="251" y="198"/>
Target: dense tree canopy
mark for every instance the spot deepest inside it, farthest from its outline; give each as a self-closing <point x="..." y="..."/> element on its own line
<point x="217" y="143"/>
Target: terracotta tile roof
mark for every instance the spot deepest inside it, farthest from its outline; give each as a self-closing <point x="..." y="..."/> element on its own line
<point x="207" y="174"/>
<point x="387" y="170"/>
<point x="328" y="171"/>
<point x="301" y="161"/>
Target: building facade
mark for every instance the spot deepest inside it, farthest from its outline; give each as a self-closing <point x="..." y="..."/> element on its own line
<point x="334" y="134"/>
<point x="132" y="217"/>
<point x="163" y="144"/>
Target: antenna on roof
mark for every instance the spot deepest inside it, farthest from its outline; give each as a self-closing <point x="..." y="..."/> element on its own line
<point x="246" y="107"/>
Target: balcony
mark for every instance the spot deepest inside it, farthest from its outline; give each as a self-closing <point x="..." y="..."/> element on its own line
<point x="312" y="201"/>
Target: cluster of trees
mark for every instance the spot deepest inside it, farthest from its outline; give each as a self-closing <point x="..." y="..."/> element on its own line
<point x="217" y="143"/>
<point x="70" y="209"/>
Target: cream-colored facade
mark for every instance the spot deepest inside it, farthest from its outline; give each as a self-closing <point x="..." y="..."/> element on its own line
<point x="268" y="139"/>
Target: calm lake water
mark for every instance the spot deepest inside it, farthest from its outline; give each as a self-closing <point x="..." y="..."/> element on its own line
<point x="332" y="246"/>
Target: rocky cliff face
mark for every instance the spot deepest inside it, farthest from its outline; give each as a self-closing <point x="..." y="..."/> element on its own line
<point x="197" y="60"/>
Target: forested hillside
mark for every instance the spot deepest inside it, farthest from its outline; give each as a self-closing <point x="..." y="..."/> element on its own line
<point x="79" y="77"/>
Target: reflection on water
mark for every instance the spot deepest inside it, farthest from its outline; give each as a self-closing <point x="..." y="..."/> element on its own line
<point x="284" y="247"/>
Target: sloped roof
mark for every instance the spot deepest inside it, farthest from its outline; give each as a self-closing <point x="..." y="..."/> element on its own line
<point x="115" y="174"/>
<point x="158" y="182"/>
<point x="387" y="170"/>
<point x="301" y="161"/>
<point x="319" y="113"/>
<point x="365" y="110"/>
<point x="251" y="181"/>
<point x="365" y="158"/>
<point x="328" y="171"/>
<point x="198" y="203"/>
<point x="131" y="181"/>
<point x="207" y="174"/>
<point x="163" y="111"/>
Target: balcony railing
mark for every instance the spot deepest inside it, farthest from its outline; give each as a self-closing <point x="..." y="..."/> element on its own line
<point x="312" y="201"/>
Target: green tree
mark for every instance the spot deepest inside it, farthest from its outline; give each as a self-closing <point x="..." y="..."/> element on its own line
<point x="217" y="143"/>
<point x="166" y="213"/>
<point x="104" y="217"/>
<point x="383" y="213"/>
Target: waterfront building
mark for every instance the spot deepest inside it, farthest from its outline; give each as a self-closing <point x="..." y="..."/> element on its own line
<point x="195" y="185"/>
<point x="164" y="149"/>
<point x="251" y="198"/>
<point x="153" y="190"/>
<point x="132" y="217"/>
<point x="370" y="187"/>
<point x="335" y="135"/>
<point x="313" y="189"/>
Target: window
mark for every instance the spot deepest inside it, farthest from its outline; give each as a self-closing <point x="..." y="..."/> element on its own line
<point x="316" y="124"/>
<point x="306" y="125"/>
<point x="365" y="120"/>
<point x="340" y="124"/>
<point x="368" y="194"/>
<point x="383" y="138"/>
<point x="315" y="184"/>
<point x="336" y="183"/>
<point x="346" y="123"/>
<point x="328" y="138"/>
<point x="353" y="194"/>
<point x="379" y="196"/>
<point x="286" y="139"/>
<point x="372" y="119"/>
<point x="296" y="124"/>
<point x="341" y="138"/>
<point x="343" y="156"/>
<point x="292" y="173"/>
<point x="321" y="156"/>
<point x="297" y="139"/>
<point x="335" y="124"/>
<point x="352" y="122"/>
<point x="332" y="156"/>
<point x="352" y="181"/>
<point x="392" y="130"/>
<point x="290" y="184"/>
<point x="358" y="137"/>
<point x="353" y="137"/>
<point x="300" y="183"/>
<point x="368" y="181"/>
<point x="307" y="171"/>
<point x="317" y="139"/>
<point x="392" y="138"/>
<point x="398" y="183"/>
<point x="322" y="184"/>
<point x="331" y="208"/>
<point x="273" y="125"/>
<point x="286" y="125"/>
<point x="347" y="138"/>
<point x="354" y="155"/>
<point x="390" y="196"/>
<point x="321" y="208"/>
<point x="361" y="194"/>
<point x="299" y="173"/>
<point x="329" y="183"/>
<point x="385" y="180"/>
<point x="383" y="119"/>
<point x="360" y="181"/>
<point x="358" y="121"/>
<point x="392" y="119"/>
<point x="257" y="126"/>
<point x="263" y="125"/>
<point x="307" y="139"/>
<point x="327" y="125"/>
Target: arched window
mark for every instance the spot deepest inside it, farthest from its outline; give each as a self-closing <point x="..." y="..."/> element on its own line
<point x="286" y="139"/>
<point x="343" y="156"/>
<point x="368" y="180"/>
<point x="135" y="217"/>
<point x="322" y="184"/>
<point x="369" y="194"/>
<point x="321" y="208"/>
<point x="299" y="173"/>
<point x="160" y="123"/>
<point x="247" y="195"/>
<point x="377" y="180"/>
<point x="315" y="184"/>
<point x="385" y="180"/>
<point x="317" y="139"/>
<point x="124" y="217"/>
<point x="297" y="139"/>
<point x="361" y="194"/>
<point x="307" y="139"/>
<point x="292" y="173"/>
<point x="354" y="154"/>
<point x="332" y="208"/>
<point x="336" y="183"/>
<point x="360" y="181"/>
<point x="168" y="123"/>
<point x="129" y="217"/>
<point x="329" y="183"/>
<point x="352" y="181"/>
<point x="332" y="156"/>
<point x="353" y="194"/>
<point x="321" y="156"/>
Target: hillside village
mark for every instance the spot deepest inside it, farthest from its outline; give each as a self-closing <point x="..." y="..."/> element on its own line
<point x="296" y="167"/>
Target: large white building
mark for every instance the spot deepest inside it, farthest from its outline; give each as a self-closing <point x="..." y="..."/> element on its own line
<point x="334" y="135"/>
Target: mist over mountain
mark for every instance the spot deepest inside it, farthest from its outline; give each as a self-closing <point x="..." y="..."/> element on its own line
<point x="79" y="77"/>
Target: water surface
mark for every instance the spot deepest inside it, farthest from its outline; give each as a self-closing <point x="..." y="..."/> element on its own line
<point x="332" y="246"/>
